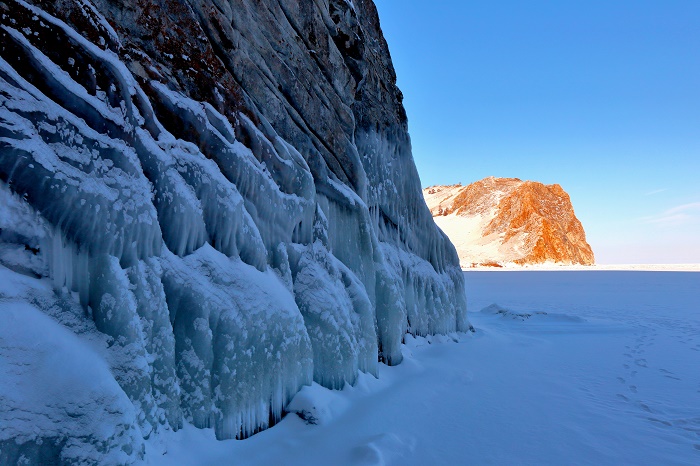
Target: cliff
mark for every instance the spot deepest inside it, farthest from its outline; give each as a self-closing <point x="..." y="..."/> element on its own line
<point x="205" y="206"/>
<point x="496" y="221"/>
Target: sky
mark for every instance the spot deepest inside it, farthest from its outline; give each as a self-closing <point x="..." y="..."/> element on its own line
<point x="601" y="97"/>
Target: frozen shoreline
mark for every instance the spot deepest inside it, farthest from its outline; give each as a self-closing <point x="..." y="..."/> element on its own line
<point x="596" y="267"/>
<point x="578" y="369"/>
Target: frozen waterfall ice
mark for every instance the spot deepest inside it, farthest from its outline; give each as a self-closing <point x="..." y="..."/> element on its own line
<point x="199" y="264"/>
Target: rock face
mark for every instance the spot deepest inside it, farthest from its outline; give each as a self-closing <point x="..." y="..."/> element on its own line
<point x="496" y="221"/>
<point x="218" y="199"/>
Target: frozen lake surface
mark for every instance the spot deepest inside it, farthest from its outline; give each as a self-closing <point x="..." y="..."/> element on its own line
<point x="609" y="375"/>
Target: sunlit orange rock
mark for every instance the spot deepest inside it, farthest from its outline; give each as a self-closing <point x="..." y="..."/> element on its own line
<point x="506" y="220"/>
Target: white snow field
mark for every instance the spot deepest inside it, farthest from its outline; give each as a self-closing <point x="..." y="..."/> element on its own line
<point x="575" y="367"/>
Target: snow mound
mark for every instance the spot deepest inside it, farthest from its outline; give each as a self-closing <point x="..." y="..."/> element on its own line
<point x="382" y="449"/>
<point x="317" y="405"/>
<point x="497" y="310"/>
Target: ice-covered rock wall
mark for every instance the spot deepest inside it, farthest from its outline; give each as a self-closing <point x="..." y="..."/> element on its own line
<point x="223" y="199"/>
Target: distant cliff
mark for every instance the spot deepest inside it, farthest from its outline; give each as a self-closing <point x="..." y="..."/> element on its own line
<point x="496" y="221"/>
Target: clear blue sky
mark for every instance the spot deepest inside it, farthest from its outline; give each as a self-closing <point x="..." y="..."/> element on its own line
<point x="602" y="97"/>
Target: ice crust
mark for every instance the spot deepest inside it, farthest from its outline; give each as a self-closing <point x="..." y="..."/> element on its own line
<point x="209" y="271"/>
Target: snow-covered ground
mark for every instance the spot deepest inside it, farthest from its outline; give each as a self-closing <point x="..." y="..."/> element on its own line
<point x="609" y="375"/>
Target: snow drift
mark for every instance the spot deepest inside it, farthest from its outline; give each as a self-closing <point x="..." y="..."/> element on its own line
<point x="205" y="207"/>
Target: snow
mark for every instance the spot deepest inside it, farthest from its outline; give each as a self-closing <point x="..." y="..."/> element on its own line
<point x="466" y="234"/>
<point x="602" y="371"/>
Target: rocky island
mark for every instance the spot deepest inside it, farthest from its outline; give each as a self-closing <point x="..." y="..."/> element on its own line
<point x="497" y="221"/>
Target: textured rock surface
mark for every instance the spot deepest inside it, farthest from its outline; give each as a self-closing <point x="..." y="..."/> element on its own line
<point x="499" y="220"/>
<point x="223" y="198"/>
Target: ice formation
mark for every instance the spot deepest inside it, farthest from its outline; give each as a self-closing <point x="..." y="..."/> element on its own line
<point x="217" y="232"/>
